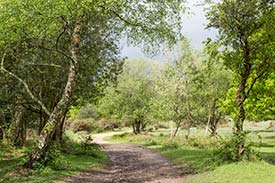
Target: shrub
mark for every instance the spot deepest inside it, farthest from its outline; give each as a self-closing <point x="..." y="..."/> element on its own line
<point x="78" y="125"/>
<point x="228" y="150"/>
<point x="53" y="159"/>
<point x="86" y="112"/>
<point x="151" y="143"/>
<point x="171" y="145"/>
<point x="201" y="142"/>
<point x="105" y="124"/>
<point x="6" y="149"/>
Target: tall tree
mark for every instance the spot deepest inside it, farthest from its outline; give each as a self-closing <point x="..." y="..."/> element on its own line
<point x="244" y="38"/>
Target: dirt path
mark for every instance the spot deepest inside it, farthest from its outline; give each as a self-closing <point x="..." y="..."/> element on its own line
<point x="130" y="164"/>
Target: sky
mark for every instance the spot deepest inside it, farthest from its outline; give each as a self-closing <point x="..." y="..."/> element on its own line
<point x="193" y="28"/>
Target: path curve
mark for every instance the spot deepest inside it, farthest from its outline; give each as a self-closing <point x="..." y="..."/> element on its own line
<point x="129" y="164"/>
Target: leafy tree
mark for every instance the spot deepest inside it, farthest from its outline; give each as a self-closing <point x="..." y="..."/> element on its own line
<point x="217" y="81"/>
<point x="245" y="42"/>
<point x="58" y="28"/>
<point x="176" y="91"/>
<point x="190" y="91"/>
<point x="260" y="105"/>
<point x="130" y="98"/>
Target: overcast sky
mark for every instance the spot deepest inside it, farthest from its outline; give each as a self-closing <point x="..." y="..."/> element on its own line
<point x="193" y="28"/>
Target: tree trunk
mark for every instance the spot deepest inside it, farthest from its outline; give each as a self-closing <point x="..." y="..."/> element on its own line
<point x="175" y="132"/>
<point x="134" y="129"/>
<point x="213" y="119"/>
<point x="188" y="132"/>
<point x="241" y="96"/>
<point x="58" y="135"/>
<point x="19" y="127"/>
<point x="46" y="135"/>
<point x="4" y="134"/>
<point x="42" y="121"/>
<point x="143" y="126"/>
<point x="137" y="126"/>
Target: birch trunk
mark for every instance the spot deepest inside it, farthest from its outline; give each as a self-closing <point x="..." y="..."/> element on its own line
<point x="47" y="133"/>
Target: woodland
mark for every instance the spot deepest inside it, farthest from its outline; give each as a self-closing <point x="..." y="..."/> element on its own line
<point x="64" y="80"/>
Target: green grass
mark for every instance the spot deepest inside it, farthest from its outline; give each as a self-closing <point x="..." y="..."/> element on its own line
<point x="195" y="156"/>
<point x="243" y="172"/>
<point x="73" y="160"/>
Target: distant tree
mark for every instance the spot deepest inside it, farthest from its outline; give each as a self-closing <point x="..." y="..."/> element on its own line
<point x="129" y="99"/>
<point x="176" y="91"/>
<point x="216" y="83"/>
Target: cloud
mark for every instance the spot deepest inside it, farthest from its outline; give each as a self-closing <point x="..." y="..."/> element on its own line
<point x="193" y="28"/>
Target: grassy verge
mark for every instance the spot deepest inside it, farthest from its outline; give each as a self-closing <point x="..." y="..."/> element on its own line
<point x="70" y="160"/>
<point x="195" y="157"/>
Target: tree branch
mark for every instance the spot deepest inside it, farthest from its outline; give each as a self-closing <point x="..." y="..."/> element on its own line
<point x="51" y="49"/>
<point x="46" y="65"/>
<point x="24" y="84"/>
<point x="62" y="33"/>
<point x="254" y="82"/>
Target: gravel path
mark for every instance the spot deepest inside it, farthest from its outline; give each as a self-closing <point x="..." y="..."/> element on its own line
<point x="130" y="164"/>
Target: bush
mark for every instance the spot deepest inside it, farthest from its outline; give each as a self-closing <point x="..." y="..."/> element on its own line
<point x="151" y="143"/>
<point x="80" y="144"/>
<point x="6" y="149"/>
<point x="202" y="142"/>
<point x="105" y="124"/>
<point x="88" y="125"/>
<point x="228" y="150"/>
<point x="86" y="112"/>
<point x="120" y="136"/>
<point x="171" y="145"/>
<point x="53" y="159"/>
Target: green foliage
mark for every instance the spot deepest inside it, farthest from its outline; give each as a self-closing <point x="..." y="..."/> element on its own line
<point x="69" y="160"/>
<point x="171" y="145"/>
<point x="188" y="87"/>
<point x="88" y="125"/>
<point x="129" y="99"/>
<point x="37" y="51"/>
<point x="244" y="40"/>
<point x="227" y="151"/>
<point x="260" y="106"/>
<point x="111" y="124"/>
<point x="52" y="158"/>
<point x="88" y="111"/>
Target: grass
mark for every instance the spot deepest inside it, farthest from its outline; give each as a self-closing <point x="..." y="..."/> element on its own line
<point x="71" y="161"/>
<point x="195" y="156"/>
<point x="243" y="172"/>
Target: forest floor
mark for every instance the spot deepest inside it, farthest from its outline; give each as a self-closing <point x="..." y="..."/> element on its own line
<point x="130" y="163"/>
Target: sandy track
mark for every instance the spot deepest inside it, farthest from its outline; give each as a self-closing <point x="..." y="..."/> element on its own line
<point x="130" y="164"/>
